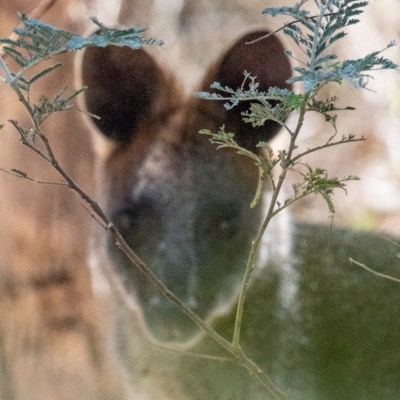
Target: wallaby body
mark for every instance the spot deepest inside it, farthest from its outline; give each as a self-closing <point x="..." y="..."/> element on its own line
<point x="321" y="328"/>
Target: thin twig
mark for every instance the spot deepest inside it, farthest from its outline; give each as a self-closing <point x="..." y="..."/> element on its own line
<point x="254" y="246"/>
<point x="7" y="74"/>
<point x="22" y="175"/>
<point x="190" y="353"/>
<point x="390" y="240"/>
<point x="376" y="273"/>
<point x="285" y="26"/>
<point x="325" y="146"/>
<point x="94" y="216"/>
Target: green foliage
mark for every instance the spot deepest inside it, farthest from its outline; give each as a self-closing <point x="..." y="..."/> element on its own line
<point x="226" y="139"/>
<point x="265" y="164"/>
<point x="47" y="107"/>
<point x="38" y="41"/>
<point x="316" y="181"/>
<point x="313" y="35"/>
<point x="351" y="71"/>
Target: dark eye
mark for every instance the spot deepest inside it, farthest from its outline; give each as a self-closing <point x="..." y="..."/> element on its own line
<point x="229" y="227"/>
<point x="137" y="222"/>
<point x="126" y="219"/>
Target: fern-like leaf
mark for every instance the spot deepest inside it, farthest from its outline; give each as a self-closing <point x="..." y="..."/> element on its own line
<point x="38" y="41"/>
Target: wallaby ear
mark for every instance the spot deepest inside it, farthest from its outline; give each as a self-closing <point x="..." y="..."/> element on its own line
<point x="265" y="60"/>
<point x="124" y="89"/>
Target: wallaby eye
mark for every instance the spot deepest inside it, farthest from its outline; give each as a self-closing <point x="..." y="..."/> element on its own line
<point x="137" y="221"/>
<point x="125" y="220"/>
<point x="229" y="227"/>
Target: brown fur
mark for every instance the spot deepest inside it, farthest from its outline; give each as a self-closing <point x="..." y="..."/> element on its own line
<point x="52" y="342"/>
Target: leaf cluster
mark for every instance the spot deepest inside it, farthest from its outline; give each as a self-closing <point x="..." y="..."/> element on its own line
<point x="38" y="41"/>
<point x="284" y="100"/>
<point x="316" y="181"/>
<point x="47" y="107"/>
<point x="351" y="71"/>
<point x="313" y="35"/>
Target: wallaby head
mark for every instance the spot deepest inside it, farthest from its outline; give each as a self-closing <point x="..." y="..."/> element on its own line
<point x="181" y="205"/>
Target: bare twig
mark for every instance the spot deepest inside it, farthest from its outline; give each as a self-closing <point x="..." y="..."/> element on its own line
<point x="325" y="146"/>
<point x="22" y="175"/>
<point x="192" y="354"/>
<point x="390" y="240"/>
<point x="285" y="26"/>
<point x="93" y="215"/>
<point x="286" y="165"/>
<point x="376" y="273"/>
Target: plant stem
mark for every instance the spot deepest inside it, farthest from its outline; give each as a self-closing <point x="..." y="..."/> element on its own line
<point x="325" y="146"/>
<point x="285" y="26"/>
<point x="286" y="165"/>
<point x="7" y="74"/>
<point x="313" y="56"/>
<point x="376" y="273"/>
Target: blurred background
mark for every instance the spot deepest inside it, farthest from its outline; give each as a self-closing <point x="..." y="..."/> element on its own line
<point x="197" y="31"/>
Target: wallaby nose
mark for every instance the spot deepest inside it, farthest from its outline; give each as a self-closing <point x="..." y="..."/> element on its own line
<point x="160" y="302"/>
<point x="176" y="267"/>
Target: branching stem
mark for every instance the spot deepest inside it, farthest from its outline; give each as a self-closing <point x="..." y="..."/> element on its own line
<point x="324" y="146"/>
<point x="296" y="21"/>
<point x="286" y="165"/>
